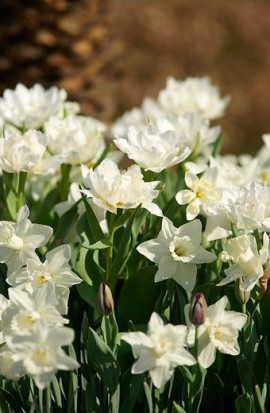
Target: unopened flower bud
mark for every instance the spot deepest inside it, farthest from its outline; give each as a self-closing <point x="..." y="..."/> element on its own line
<point x="241" y="296"/>
<point x="198" y="309"/>
<point x="105" y="301"/>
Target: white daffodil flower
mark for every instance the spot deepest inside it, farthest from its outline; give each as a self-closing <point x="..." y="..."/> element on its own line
<point x="203" y="193"/>
<point x="248" y="262"/>
<point x="151" y="149"/>
<point x="111" y="189"/>
<point x="4" y="303"/>
<point x="27" y="153"/>
<point x="191" y="131"/>
<point x="160" y="350"/>
<point x="11" y="364"/>
<point x="218" y="332"/>
<point x="30" y="108"/>
<point x="25" y="310"/>
<point x="248" y="208"/>
<point x="196" y="95"/>
<point x="138" y="117"/>
<point x="39" y="352"/>
<point x="235" y="171"/>
<point x="20" y="239"/>
<point x="177" y="251"/>
<point x="79" y="137"/>
<point x="55" y="270"/>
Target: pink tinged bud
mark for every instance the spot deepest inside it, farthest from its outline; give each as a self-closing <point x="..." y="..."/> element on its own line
<point x="198" y="309"/>
<point x="105" y="301"/>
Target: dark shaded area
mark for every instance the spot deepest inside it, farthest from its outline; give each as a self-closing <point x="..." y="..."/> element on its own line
<point x="109" y="54"/>
<point x="62" y="42"/>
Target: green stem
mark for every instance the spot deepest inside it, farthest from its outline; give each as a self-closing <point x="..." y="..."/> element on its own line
<point x="40" y="399"/>
<point x="234" y="230"/>
<point x="109" y="251"/>
<point x="244" y="308"/>
<point x="48" y="399"/>
<point x="258" y="239"/>
<point x="21" y="180"/>
<point x="196" y="343"/>
<point x="64" y="183"/>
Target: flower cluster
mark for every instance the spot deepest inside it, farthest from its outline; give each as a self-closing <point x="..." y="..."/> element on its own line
<point x="180" y="221"/>
<point x="32" y="331"/>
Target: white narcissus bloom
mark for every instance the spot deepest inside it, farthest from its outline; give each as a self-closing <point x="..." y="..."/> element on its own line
<point x="202" y="193"/>
<point x="248" y="208"/>
<point x="151" y="149"/>
<point x="235" y="171"/>
<point x="30" y="108"/>
<point x="11" y="364"/>
<point x="25" y="310"/>
<point x="160" y="350"/>
<point x="79" y="137"/>
<point x="20" y="239"/>
<point x="39" y="352"/>
<point x="219" y="332"/>
<point x="191" y="131"/>
<point x="111" y="189"/>
<point x="55" y="270"/>
<point x="27" y="153"/>
<point x="177" y="251"/>
<point x="4" y="303"/>
<point x="196" y="95"/>
<point x="138" y="117"/>
<point x="247" y="261"/>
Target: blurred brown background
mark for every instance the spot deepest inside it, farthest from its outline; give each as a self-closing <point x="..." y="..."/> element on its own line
<point x="109" y="54"/>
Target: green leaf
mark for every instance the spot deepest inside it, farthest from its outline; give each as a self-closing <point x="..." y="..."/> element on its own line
<point x="103" y="360"/>
<point x="177" y="409"/>
<point x="73" y="384"/>
<point x="124" y="251"/>
<point x="189" y="378"/>
<point x="10" y="193"/>
<point x="88" y="293"/>
<point x="99" y="245"/>
<point x="197" y="387"/>
<point x="65" y="225"/>
<point x="245" y="373"/>
<point x="46" y="206"/>
<point x="260" y="399"/>
<point x="91" y="276"/>
<point x="217" y="146"/>
<point x="56" y="391"/>
<point x="131" y="385"/>
<point x="103" y="155"/>
<point x="137" y="297"/>
<point x="92" y="220"/>
<point x="265" y="311"/>
<point x="109" y="328"/>
<point x="10" y="401"/>
<point x="250" y="340"/>
<point x="148" y="396"/>
<point x="91" y="405"/>
<point x="115" y="400"/>
<point x="243" y="403"/>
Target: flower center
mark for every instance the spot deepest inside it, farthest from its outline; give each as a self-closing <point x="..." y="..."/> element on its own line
<point x="181" y="249"/>
<point x="199" y="194"/>
<point x="41" y="356"/>
<point x="41" y="277"/>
